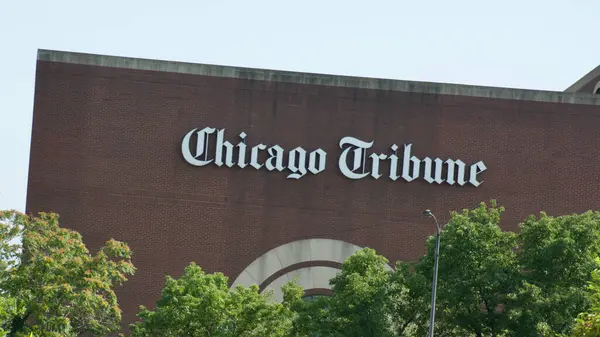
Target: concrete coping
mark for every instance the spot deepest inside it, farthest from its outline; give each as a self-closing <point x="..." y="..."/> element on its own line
<point x="317" y="79"/>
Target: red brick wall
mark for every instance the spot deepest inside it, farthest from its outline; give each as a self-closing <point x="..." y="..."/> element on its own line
<point x="106" y="155"/>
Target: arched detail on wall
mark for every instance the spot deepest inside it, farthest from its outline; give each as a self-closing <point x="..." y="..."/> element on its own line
<point x="597" y="88"/>
<point x="315" y="292"/>
<point x="316" y="260"/>
<point x="308" y="278"/>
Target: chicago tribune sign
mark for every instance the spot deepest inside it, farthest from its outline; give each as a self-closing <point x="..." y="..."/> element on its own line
<point x="209" y="146"/>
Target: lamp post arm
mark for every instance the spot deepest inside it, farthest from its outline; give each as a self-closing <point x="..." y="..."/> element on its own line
<point x="437" y="226"/>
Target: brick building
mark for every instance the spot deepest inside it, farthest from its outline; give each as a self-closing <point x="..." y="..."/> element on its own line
<point x="267" y="175"/>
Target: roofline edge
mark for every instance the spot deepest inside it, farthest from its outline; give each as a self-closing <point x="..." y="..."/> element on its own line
<point x="316" y="79"/>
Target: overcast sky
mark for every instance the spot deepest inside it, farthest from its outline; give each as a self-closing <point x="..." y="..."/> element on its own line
<point x="533" y="44"/>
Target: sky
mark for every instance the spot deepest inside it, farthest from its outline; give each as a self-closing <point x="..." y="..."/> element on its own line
<point x="532" y="44"/>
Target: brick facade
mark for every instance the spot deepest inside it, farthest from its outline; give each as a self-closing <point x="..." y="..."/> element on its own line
<point x="106" y="155"/>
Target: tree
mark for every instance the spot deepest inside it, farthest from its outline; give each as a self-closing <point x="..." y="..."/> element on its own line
<point x="557" y="257"/>
<point x="358" y="304"/>
<point x="9" y="258"/>
<point x="587" y="323"/>
<point x="496" y="283"/>
<point x="491" y="283"/>
<point x="51" y="285"/>
<point x="357" y="307"/>
<point x="310" y="318"/>
<point x="200" y="304"/>
<point x="408" y="300"/>
<point x="7" y="312"/>
<point x="478" y="271"/>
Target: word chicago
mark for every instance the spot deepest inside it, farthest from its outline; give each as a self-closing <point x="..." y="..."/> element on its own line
<point x="202" y="147"/>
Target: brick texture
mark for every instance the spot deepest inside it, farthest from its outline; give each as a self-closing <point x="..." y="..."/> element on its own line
<point x="105" y="154"/>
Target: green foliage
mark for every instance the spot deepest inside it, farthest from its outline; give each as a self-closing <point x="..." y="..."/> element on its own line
<point x="359" y="296"/>
<point x="408" y="301"/>
<point x="477" y="272"/>
<point x="200" y="304"/>
<point x="357" y="307"/>
<point x="587" y="323"/>
<point x="557" y="258"/>
<point x="543" y="281"/>
<point x="560" y="251"/>
<point x="8" y="310"/>
<point x="491" y="282"/>
<point x="53" y="286"/>
<point x="10" y="250"/>
<point x="310" y="318"/>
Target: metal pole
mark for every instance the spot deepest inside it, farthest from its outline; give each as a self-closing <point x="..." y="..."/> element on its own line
<point x="435" y="273"/>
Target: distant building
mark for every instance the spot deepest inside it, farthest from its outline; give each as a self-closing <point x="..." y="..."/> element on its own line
<point x="589" y="83"/>
<point x="269" y="175"/>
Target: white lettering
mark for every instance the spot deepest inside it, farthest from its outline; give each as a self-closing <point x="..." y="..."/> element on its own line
<point x="313" y="162"/>
<point x="201" y="148"/>
<point x="438" y="170"/>
<point x="407" y="160"/>
<point x="254" y="156"/>
<point x="461" y="172"/>
<point x="275" y="153"/>
<point x="222" y="143"/>
<point x="359" y="147"/>
<point x="375" y="164"/>
<point x="394" y="163"/>
<point x="298" y="167"/>
<point x="352" y="160"/>
<point x="242" y="146"/>
<point x="476" y="168"/>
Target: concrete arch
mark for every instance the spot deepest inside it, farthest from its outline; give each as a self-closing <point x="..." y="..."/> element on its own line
<point x="297" y="253"/>
<point x="316" y="277"/>
<point x="597" y="88"/>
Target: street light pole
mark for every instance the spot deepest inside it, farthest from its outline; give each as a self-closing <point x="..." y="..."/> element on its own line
<point x="435" y="271"/>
